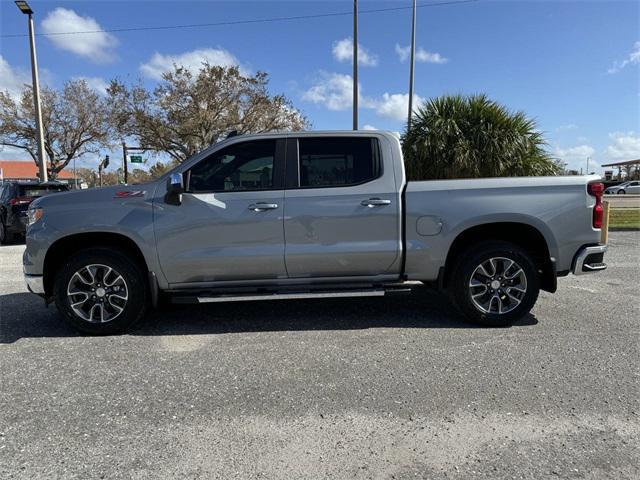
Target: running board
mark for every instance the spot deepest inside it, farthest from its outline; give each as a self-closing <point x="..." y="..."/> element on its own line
<point x="291" y="296"/>
<point x="208" y="297"/>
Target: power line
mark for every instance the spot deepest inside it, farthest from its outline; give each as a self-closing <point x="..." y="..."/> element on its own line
<point x="244" y="22"/>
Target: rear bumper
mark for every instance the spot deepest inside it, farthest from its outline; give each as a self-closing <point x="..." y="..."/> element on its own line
<point x="35" y="284"/>
<point x="589" y="260"/>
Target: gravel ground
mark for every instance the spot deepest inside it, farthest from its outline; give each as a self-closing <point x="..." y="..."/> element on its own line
<point x="396" y="387"/>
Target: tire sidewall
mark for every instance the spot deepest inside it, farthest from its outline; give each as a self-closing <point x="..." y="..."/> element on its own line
<point x="137" y="290"/>
<point x="465" y="268"/>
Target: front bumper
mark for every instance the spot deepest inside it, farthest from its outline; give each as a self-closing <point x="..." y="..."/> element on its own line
<point x="589" y="260"/>
<point x="35" y="283"/>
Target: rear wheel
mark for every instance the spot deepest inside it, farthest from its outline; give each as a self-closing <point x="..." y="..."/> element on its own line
<point x="495" y="283"/>
<point x="101" y="291"/>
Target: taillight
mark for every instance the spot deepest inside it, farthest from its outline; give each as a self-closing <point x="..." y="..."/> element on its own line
<point x="21" y="201"/>
<point x="596" y="190"/>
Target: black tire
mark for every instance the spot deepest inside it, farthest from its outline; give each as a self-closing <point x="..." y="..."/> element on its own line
<point x="622" y="192"/>
<point x="5" y="237"/>
<point x="470" y="260"/>
<point x="135" y="282"/>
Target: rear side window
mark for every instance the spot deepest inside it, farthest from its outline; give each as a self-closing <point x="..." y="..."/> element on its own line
<point x="39" y="191"/>
<point x="242" y="166"/>
<point x="337" y="162"/>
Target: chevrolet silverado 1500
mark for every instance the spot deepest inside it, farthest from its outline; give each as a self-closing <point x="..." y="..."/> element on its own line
<point x="308" y="215"/>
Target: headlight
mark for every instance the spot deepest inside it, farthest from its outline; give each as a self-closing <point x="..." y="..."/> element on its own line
<point x="34" y="214"/>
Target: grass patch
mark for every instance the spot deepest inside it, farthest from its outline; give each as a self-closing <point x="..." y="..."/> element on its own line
<point x="624" y="218"/>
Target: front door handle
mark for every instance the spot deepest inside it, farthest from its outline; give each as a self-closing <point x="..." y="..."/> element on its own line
<point x="262" y="206"/>
<point x="375" y="202"/>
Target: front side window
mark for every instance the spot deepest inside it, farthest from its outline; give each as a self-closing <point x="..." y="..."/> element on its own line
<point x="242" y="166"/>
<point x="335" y="161"/>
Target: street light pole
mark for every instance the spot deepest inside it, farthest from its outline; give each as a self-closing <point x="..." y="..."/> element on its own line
<point x="355" y="64"/>
<point x="24" y="8"/>
<point x="413" y="51"/>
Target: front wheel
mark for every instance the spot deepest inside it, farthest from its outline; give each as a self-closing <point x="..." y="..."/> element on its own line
<point x="495" y="283"/>
<point x="621" y="192"/>
<point x="101" y="291"/>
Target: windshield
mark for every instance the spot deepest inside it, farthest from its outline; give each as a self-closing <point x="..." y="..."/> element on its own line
<point x="40" y="190"/>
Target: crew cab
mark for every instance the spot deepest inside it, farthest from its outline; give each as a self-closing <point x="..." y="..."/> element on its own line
<point x="309" y="215"/>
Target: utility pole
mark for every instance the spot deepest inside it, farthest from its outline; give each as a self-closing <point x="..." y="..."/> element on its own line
<point x="413" y="51"/>
<point x="124" y="162"/>
<point x="355" y="64"/>
<point x="587" y="172"/>
<point x="26" y="9"/>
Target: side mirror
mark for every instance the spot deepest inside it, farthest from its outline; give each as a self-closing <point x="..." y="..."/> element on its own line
<point x="175" y="189"/>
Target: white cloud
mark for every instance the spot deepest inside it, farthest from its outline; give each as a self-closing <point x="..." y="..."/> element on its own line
<point x="624" y="146"/>
<point x="333" y="90"/>
<point x="576" y="157"/>
<point x="421" y="55"/>
<point x="12" y="79"/>
<point x="98" y="84"/>
<point x="193" y="60"/>
<point x="343" y="52"/>
<point x="369" y="127"/>
<point x="395" y="105"/>
<point x="632" y="59"/>
<point x="98" y="46"/>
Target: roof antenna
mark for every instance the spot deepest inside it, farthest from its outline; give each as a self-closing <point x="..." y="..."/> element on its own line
<point x="232" y="133"/>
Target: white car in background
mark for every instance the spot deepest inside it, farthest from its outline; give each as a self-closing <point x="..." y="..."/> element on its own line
<point x="626" y="187"/>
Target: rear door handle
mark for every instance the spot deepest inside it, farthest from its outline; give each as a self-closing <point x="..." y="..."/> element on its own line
<point x="262" y="206"/>
<point x="375" y="202"/>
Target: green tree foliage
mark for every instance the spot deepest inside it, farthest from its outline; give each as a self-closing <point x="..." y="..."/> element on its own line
<point x="473" y="137"/>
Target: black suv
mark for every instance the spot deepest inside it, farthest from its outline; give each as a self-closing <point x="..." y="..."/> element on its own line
<point x="15" y="198"/>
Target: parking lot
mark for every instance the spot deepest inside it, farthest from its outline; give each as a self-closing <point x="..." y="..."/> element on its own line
<point x="397" y="387"/>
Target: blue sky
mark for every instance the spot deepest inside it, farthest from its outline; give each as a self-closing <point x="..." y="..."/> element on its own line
<point x="573" y="66"/>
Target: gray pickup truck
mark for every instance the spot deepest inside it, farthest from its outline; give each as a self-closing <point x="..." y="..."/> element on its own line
<point x="308" y="215"/>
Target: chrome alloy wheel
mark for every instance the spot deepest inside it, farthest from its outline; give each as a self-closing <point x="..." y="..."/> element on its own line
<point x="497" y="285"/>
<point x="97" y="293"/>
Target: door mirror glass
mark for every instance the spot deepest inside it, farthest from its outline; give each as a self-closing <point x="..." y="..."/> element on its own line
<point x="175" y="188"/>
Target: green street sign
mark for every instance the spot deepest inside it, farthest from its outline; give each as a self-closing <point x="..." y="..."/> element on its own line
<point x="135" y="158"/>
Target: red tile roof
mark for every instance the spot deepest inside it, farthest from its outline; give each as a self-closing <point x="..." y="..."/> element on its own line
<point x="25" y="169"/>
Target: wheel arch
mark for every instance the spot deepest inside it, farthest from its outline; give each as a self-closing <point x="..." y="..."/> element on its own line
<point x="525" y="235"/>
<point x="65" y="247"/>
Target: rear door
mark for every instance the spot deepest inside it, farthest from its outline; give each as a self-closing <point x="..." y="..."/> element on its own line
<point x="342" y="208"/>
<point x="229" y="226"/>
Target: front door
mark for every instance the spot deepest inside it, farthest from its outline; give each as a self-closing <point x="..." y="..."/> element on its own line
<point x="342" y="214"/>
<point x="230" y="223"/>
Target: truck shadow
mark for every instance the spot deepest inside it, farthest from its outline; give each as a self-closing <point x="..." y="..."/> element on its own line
<point x="22" y="315"/>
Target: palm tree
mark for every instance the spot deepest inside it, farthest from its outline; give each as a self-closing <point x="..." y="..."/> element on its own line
<point x="472" y="137"/>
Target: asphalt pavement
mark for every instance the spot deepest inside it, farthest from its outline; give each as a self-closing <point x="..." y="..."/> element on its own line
<point x="397" y="387"/>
